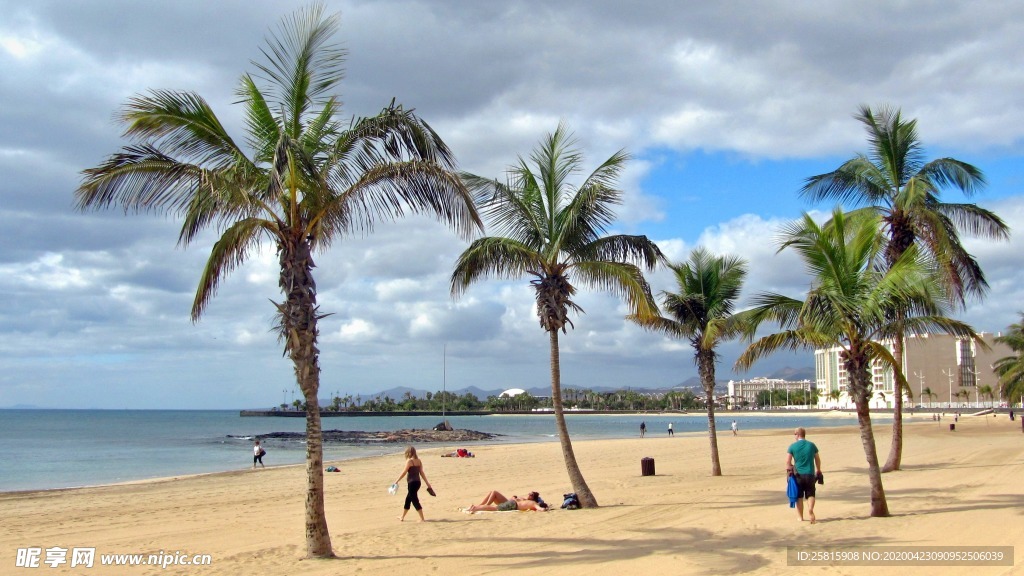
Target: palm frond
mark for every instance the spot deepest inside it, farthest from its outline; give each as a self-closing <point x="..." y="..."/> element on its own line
<point x="229" y="252"/>
<point x="492" y="257"/>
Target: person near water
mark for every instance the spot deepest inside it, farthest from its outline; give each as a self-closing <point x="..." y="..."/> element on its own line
<point x="413" y="472"/>
<point x="803" y="461"/>
<point x="670" y="432"/>
<point x="643" y="429"/>
<point x="735" y="428"/>
<point x="257" y="454"/>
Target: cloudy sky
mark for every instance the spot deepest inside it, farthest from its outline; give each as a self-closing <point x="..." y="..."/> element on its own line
<point x="725" y="109"/>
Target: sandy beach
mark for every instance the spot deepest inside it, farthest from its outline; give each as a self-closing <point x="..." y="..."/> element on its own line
<point x="957" y="489"/>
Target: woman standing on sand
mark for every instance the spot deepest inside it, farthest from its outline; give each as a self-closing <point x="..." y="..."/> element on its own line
<point x="414" y="471"/>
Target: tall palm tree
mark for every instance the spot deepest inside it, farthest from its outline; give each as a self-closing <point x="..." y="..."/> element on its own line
<point x="553" y="231"/>
<point x="310" y="179"/>
<point x="1010" y="369"/>
<point x="850" y="305"/>
<point x="702" y="312"/>
<point x="895" y="181"/>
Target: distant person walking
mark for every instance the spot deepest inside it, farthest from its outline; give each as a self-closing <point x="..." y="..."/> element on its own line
<point x="735" y="428"/>
<point x="643" y="429"/>
<point x="803" y="461"/>
<point x="670" y="432"/>
<point x="257" y="454"/>
<point x="413" y="471"/>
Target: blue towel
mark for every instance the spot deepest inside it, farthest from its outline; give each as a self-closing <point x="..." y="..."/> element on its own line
<point x="792" y="491"/>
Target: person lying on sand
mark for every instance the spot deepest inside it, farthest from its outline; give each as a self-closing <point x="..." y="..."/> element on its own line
<point x="496" y="502"/>
<point x="460" y="453"/>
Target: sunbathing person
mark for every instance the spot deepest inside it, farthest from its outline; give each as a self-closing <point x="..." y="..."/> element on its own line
<point x="496" y="502"/>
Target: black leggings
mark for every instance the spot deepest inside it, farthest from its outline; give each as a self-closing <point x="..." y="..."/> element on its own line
<point x="413" y="498"/>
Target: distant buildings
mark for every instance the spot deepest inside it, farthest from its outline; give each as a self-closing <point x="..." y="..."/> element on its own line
<point x="744" y="392"/>
<point x="943" y="372"/>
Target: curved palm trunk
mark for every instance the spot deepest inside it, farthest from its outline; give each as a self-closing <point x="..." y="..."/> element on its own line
<point x="299" y="330"/>
<point x="579" y="485"/>
<point x="896" y="449"/>
<point x="706" y="367"/>
<point x="857" y="368"/>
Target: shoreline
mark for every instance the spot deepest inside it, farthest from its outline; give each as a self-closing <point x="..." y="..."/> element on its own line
<point x="955" y="489"/>
<point x="428" y="447"/>
<point x="502" y="440"/>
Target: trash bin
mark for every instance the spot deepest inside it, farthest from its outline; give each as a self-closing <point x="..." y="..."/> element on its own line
<point x="952" y="427"/>
<point x="647" y="466"/>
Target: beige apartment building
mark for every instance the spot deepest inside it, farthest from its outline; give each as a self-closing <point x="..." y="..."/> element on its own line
<point x="943" y="372"/>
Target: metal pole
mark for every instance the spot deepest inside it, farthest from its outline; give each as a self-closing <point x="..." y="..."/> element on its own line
<point x="950" y="375"/>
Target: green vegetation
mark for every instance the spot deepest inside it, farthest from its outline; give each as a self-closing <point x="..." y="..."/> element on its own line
<point x="554" y="231"/>
<point x="895" y="182"/>
<point x="311" y="180"/>
<point x="1010" y="369"/>
<point x="853" y="303"/>
<point x="702" y="312"/>
<point x="572" y="399"/>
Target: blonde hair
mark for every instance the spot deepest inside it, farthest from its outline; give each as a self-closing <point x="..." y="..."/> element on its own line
<point x="410" y="452"/>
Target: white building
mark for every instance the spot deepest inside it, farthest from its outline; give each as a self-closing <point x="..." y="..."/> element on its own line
<point x="744" y="392"/>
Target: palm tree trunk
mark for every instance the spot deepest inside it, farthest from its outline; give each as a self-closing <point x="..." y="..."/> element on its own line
<point x="579" y="485"/>
<point x="706" y="361"/>
<point x="896" y="449"/>
<point x="859" y="374"/>
<point x="318" y="538"/>
<point x="299" y="331"/>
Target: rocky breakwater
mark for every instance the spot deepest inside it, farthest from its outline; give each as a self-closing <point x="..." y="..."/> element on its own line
<point x="387" y="437"/>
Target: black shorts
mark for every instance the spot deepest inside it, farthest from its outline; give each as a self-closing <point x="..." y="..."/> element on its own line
<point x="805" y="485"/>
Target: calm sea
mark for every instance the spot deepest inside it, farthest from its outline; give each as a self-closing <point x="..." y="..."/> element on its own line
<point x="45" y="449"/>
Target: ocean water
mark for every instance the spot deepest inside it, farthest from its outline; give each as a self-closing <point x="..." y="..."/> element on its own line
<point x="47" y="449"/>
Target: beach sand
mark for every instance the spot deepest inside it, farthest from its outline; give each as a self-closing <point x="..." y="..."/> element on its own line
<point x="957" y="489"/>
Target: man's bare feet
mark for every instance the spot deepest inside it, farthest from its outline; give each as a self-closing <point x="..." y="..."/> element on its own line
<point x="813" y="519"/>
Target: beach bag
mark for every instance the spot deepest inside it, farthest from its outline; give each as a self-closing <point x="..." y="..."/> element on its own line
<point x="570" y="501"/>
<point x="263" y="452"/>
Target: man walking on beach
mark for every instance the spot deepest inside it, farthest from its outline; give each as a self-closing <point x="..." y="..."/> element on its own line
<point x="804" y="455"/>
<point x="670" y="432"/>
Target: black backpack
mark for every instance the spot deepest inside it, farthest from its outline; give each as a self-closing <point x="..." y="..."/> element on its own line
<point x="570" y="501"/>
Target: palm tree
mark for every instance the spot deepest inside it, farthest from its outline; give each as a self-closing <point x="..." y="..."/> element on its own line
<point x="702" y="312"/>
<point x="835" y="395"/>
<point x="927" y="393"/>
<point x="964" y="395"/>
<point x="552" y="231"/>
<point x="310" y="179"/>
<point x="850" y="305"/>
<point x="986" y="391"/>
<point x="1010" y="369"/>
<point x="896" y="182"/>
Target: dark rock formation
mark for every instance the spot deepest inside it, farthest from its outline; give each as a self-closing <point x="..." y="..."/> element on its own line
<point x="395" y="437"/>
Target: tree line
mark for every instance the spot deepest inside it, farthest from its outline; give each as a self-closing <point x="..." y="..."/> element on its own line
<point x="622" y="400"/>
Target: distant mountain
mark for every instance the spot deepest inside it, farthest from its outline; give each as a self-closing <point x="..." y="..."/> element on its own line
<point x="789" y="373"/>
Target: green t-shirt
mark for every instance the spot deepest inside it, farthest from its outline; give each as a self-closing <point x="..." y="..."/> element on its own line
<point x="803" y="452"/>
